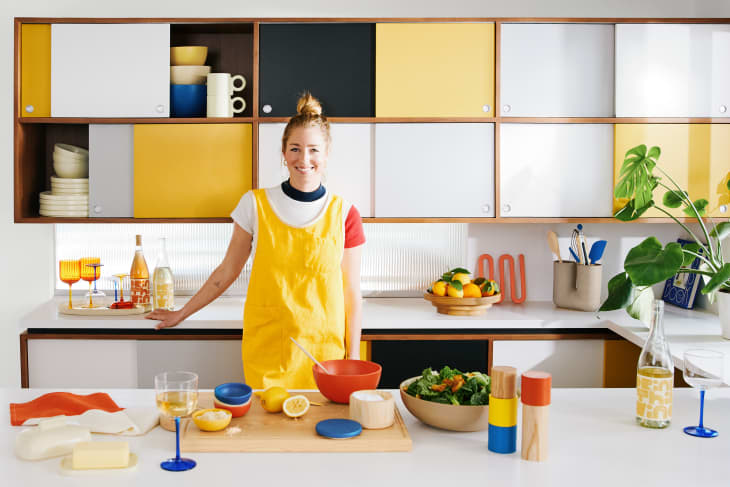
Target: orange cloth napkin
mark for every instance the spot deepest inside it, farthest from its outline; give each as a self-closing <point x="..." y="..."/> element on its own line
<point x="60" y="403"/>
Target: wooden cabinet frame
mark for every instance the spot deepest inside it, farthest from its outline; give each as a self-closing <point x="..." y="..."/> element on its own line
<point x="30" y="132"/>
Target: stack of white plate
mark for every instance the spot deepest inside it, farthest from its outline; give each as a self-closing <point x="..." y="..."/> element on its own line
<point x="68" y="197"/>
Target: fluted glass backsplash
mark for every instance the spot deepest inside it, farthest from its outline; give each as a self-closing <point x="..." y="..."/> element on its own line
<point x="398" y="259"/>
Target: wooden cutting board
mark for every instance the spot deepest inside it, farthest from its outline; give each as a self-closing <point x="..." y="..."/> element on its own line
<point x="259" y="431"/>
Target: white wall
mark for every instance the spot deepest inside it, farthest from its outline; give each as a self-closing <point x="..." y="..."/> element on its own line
<point x="26" y="259"/>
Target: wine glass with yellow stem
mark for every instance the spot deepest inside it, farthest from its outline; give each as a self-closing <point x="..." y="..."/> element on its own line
<point x="89" y="273"/>
<point x="69" y="271"/>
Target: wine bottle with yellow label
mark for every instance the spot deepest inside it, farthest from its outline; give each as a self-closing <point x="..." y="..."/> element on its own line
<point x="655" y="375"/>
<point x="139" y="277"/>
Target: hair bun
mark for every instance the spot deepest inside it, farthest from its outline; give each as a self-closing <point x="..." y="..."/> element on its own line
<point x="309" y="105"/>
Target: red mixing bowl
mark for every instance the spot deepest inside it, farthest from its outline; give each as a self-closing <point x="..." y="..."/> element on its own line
<point x="346" y="377"/>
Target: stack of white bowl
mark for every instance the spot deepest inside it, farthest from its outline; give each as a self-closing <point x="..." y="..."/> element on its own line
<point x="69" y="195"/>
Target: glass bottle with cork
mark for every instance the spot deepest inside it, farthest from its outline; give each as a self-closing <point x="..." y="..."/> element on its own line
<point x="655" y="375"/>
<point x="163" y="289"/>
<point x="139" y="277"/>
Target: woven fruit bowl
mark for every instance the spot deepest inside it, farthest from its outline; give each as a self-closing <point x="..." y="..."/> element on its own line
<point x="461" y="306"/>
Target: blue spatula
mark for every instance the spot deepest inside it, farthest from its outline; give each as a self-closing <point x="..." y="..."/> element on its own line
<point x="597" y="249"/>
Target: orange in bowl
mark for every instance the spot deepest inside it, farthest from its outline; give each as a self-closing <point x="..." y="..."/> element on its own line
<point x="346" y="377"/>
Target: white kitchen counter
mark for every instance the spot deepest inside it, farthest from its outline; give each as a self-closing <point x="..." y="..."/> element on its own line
<point x="378" y="314"/>
<point x="593" y="441"/>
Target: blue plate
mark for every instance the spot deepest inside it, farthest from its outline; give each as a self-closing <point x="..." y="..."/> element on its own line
<point x="233" y="393"/>
<point x="338" y="428"/>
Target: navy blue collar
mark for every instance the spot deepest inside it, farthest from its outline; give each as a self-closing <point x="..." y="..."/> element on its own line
<point x="297" y="195"/>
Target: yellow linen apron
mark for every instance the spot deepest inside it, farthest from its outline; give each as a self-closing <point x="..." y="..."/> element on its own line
<point x="295" y="290"/>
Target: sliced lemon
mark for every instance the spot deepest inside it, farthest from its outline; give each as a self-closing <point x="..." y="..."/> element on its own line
<point x="296" y="406"/>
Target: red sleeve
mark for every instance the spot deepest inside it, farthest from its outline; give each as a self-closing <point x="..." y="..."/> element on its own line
<point x="354" y="234"/>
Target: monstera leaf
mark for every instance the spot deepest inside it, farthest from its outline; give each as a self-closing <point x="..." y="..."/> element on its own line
<point x="648" y="263"/>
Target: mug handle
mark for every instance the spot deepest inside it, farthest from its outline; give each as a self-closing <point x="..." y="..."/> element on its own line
<point x="233" y="82"/>
<point x="233" y="103"/>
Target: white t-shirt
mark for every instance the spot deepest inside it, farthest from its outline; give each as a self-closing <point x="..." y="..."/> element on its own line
<point x="294" y="213"/>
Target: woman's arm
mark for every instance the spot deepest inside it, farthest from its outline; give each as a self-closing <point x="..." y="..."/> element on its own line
<point x="223" y="276"/>
<point x="353" y="300"/>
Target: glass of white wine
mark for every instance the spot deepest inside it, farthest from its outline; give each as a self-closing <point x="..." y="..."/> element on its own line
<point x="177" y="395"/>
<point x="703" y="369"/>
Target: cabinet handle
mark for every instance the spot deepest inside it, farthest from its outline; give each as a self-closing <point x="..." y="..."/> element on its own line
<point x="485" y="209"/>
<point x="506" y="108"/>
<point x="723" y="208"/>
<point x="723" y="108"/>
<point x="160" y="108"/>
<point x="486" y="108"/>
<point x="506" y="208"/>
<point x="266" y="108"/>
<point x="97" y="208"/>
<point x="29" y="108"/>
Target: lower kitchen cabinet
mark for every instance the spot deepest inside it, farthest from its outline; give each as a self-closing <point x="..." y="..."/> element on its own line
<point x="349" y="166"/>
<point x="402" y="359"/>
<point x="696" y="156"/>
<point x="556" y="170"/>
<point x="572" y="363"/>
<point x="190" y="170"/>
<point x="442" y="170"/>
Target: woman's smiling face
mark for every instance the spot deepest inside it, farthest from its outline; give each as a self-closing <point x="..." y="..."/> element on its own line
<point x="306" y="157"/>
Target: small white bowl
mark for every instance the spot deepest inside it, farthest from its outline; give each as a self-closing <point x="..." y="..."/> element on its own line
<point x="71" y="170"/>
<point x="72" y="150"/>
<point x="189" y="75"/>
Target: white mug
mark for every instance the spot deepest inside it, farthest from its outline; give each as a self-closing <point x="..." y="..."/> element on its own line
<point x="223" y="84"/>
<point x="223" y="106"/>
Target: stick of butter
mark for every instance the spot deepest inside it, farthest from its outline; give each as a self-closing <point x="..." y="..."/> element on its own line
<point x="100" y="454"/>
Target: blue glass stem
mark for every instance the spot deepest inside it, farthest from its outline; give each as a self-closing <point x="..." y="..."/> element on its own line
<point x="177" y="437"/>
<point x="702" y="407"/>
<point x="94" y="279"/>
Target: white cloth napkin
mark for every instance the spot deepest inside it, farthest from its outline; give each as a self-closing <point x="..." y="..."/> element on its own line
<point x="130" y="422"/>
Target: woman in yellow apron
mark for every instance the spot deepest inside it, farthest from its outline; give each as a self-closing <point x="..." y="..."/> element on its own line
<point x="305" y="281"/>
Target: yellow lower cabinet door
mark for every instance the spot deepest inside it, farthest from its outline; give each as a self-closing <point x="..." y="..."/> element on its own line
<point x="434" y="70"/>
<point x="35" y="70"/>
<point x="190" y="170"/>
<point x="696" y="156"/>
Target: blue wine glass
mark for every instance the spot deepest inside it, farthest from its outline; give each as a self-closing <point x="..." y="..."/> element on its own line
<point x="177" y="395"/>
<point x="703" y="369"/>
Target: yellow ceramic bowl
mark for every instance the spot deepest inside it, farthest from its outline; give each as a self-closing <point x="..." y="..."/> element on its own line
<point x="188" y="55"/>
<point x="212" y="424"/>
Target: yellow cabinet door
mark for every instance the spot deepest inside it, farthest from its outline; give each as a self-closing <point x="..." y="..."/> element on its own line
<point x="696" y="156"/>
<point x="35" y="70"/>
<point x="434" y="70"/>
<point x="190" y="170"/>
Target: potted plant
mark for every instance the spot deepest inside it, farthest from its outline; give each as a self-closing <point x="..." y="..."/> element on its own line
<point x="649" y="262"/>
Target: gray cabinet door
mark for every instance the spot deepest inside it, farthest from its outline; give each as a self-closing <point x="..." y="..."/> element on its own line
<point x="111" y="171"/>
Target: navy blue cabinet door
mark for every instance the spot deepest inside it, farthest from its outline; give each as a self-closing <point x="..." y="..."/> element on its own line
<point x="335" y="62"/>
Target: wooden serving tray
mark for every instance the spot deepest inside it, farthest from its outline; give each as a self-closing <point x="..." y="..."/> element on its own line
<point x="259" y="431"/>
<point x="101" y="311"/>
<point x="461" y="306"/>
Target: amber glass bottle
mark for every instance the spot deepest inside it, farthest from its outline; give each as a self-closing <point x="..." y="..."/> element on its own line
<point x="139" y="277"/>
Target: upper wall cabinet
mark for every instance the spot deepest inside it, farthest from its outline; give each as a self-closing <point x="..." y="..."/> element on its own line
<point x="556" y="70"/>
<point x="434" y="70"/>
<point x="672" y="70"/>
<point x="434" y="170"/>
<point x="332" y="61"/>
<point x="556" y="170"/>
<point x="190" y="170"/>
<point x="349" y="166"/>
<point x="35" y="70"/>
<point x="696" y="156"/>
<point x="110" y="70"/>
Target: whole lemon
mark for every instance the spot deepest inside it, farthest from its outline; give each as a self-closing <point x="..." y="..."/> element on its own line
<point x="273" y="398"/>
<point x="455" y="291"/>
<point x="472" y="291"/>
<point x="439" y="288"/>
<point x="463" y="278"/>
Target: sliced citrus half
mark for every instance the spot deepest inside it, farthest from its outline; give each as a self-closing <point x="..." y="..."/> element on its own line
<point x="296" y="406"/>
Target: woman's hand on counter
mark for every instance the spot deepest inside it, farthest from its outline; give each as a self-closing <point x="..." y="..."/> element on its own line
<point x="167" y="318"/>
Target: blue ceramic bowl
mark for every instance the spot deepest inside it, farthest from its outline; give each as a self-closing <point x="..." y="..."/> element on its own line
<point x="188" y="100"/>
<point x="233" y="393"/>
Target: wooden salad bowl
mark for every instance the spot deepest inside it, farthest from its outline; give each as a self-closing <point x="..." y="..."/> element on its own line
<point x="461" y="306"/>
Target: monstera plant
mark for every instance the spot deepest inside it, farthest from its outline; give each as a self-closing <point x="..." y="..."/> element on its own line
<point x="650" y="262"/>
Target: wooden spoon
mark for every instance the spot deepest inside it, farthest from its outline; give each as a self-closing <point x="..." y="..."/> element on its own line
<point x="553" y="243"/>
<point x="310" y="356"/>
